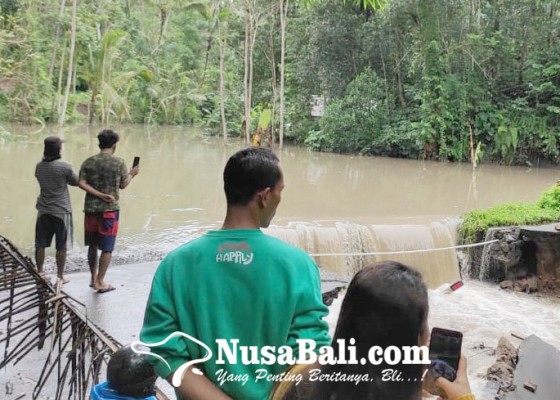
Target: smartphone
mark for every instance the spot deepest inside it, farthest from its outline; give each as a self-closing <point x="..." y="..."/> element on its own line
<point x="445" y="351"/>
<point x="136" y="161"/>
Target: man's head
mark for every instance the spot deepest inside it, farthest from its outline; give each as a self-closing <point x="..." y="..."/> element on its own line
<point x="130" y="373"/>
<point x="53" y="145"/>
<point x="253" y="178"/>
<point x="107" y="139"/>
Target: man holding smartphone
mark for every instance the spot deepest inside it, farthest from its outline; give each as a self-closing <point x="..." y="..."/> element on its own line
<point x="108" y="174"/>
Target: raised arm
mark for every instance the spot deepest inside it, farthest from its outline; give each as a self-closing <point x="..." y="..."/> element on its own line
<point x="125" y="181"/>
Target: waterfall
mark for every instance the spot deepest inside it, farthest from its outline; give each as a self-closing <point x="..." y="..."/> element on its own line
<point x="330" y="244"/>
<point x="485" y="259"/>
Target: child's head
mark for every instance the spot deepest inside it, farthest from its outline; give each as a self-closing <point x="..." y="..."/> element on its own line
<point x="130" y="374"/>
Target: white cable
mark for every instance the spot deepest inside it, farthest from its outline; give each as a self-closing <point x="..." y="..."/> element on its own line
<point x="377" y="253"/>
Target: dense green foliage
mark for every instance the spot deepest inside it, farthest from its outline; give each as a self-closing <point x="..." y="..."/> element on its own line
<point x="545" y="209"/>
<point x="442" y="79"/>
<point x="452" y="76"/>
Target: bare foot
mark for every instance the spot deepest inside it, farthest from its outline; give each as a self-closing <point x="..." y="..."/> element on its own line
<point x="63" y="279"/>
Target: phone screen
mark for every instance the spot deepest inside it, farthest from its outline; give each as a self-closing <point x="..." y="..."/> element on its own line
<point x="136" y="161"/>
<point x="445" y="351"/>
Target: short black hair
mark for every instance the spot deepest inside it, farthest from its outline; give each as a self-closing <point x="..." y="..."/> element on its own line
<point x="131" y="374"/>
<point x="107" y="138"/>
<point x="386" y="304"/>
<point x="249" y="171"/>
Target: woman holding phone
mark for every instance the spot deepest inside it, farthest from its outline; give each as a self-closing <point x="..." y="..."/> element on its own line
<point x="386" y="305"/>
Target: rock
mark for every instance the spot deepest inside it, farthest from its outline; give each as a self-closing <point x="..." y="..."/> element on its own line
<point x="501" y="371"/>
<point x="506" y="285"/>
<point x="533" y="284"/>
<point x="500" y="260"/>
<point x="530" y="386"/>
<point x="506" y="352"/>
<point x="328" y="297"/>
<point x="521" y="285"/>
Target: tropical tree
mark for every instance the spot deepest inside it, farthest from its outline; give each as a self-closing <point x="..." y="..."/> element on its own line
<point x="107" y="84"/>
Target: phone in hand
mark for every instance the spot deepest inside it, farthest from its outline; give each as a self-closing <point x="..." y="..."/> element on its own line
<point x="136" y="161"/>
<point x="445" y="352"/>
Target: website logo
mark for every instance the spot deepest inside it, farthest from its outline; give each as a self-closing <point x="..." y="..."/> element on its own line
<point x="230" y="352"/>
<point x="180" y="372"/>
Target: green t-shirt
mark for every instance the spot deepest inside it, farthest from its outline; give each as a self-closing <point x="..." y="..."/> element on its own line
<point x="105" y="173"/>
<point x="234" y="284"/>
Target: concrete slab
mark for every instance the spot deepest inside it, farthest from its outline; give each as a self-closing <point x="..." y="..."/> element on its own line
<point x="539" y="363"/>
<point x="120" y="313"/>
<point x="548" y="228"/>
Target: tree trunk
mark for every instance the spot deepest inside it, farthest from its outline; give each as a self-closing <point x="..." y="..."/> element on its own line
<point x="163" y="27"/>
<point x="274" y="86"/>
<point x="59" y="83"/>
<point x="387" y="101"/>
<point x="55" y="44"/>
<point x="398" y="60"/>
<point x="222" y="40"/>
<point x="70" y="74"/>
<point x="283" y="16"/>
<point x="250" y="80"/>
<point x="246" y="80"/>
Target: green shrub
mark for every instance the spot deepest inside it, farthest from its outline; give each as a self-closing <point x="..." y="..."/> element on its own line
<point x="550" y="199"/>
<point x="399" y="139"/>
<point x="476" y="223"/>
<point x="351" y="124"/>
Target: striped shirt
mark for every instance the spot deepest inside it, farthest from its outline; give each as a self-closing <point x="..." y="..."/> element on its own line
<point x="54" y="178"/>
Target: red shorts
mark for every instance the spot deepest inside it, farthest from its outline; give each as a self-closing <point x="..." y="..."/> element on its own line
<point x="101" y="229"/>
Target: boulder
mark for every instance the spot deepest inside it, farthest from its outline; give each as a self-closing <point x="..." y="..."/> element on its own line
<point x="501" y="372"/>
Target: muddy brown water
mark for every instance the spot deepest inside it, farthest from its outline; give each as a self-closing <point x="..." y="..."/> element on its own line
<point x="332" y="204"/>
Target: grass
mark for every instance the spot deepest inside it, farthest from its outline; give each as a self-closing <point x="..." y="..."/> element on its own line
<point x="545" y="210"/>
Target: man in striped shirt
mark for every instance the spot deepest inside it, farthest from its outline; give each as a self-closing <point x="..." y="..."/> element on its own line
<point x="54" y="216"/>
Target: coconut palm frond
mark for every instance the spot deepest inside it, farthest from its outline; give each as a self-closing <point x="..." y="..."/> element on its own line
<point x="38" y="317"/>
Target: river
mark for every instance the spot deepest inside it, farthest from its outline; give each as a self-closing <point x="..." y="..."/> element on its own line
<point x="332" y="204"/>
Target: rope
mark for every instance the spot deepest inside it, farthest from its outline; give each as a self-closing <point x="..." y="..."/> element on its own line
<point x="378" y="253"/>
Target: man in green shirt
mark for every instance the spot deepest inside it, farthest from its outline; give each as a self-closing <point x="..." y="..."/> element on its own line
<point x="234" y="288"/>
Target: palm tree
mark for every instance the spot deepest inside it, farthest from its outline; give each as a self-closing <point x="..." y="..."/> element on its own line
<point x="107" y="85"/>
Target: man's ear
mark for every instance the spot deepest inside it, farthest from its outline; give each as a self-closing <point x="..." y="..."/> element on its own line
<point x="263" y="195"/>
